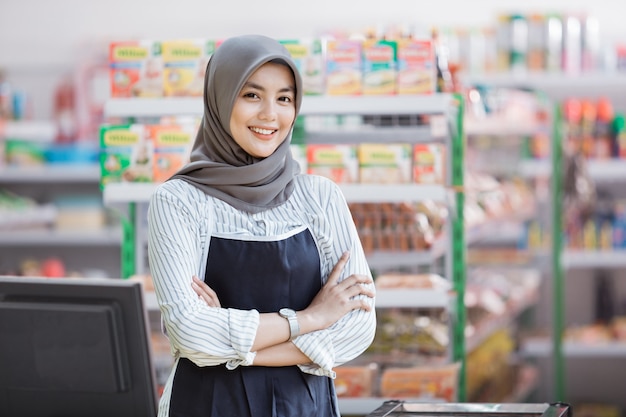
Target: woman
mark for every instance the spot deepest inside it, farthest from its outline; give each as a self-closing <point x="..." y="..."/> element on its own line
<point x="259" y="273"/>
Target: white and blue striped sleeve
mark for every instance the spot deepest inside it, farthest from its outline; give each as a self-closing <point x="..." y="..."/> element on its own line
<point x="352" y="334"/>
<point x="205" y="335"/>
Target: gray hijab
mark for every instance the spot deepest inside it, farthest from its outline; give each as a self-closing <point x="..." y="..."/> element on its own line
<point x="218" y="165"/>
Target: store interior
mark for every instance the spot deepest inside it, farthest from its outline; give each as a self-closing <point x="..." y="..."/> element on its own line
<point x="497" y="237"/>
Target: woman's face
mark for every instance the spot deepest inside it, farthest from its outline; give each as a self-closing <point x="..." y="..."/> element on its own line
<point x="264" y="110"/>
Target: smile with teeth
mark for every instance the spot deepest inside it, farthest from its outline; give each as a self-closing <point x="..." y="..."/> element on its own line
<point x="262" y="131"/>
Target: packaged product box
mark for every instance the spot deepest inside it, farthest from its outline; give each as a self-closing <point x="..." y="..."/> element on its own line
<point x="337" y="162"/>
<point x="309" y="58"/>
<point x="184" y="66"/>
<point x="355" y="381"/>
<point x="126" y="154"/>
<point x="432" y="382"/>
<point x="136" y="69"/>
<point x="344" y="74"/>
<point x="429" y="163"/>
<point x="416" y="66"/>
<point x="379" y="66"/>
<point x="384" y="163"/>
<point x="172" y="147"/>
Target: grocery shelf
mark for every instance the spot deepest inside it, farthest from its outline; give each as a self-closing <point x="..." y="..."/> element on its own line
<point x="493" y="126"/>
<point x="46" y="237"/>
<point x="32" y="130"/>
<point x="337" y="105"/>
<point x="408" y="134"/>
<point x="572" y="258"/>
<point x="605" y="170"/>
<point x="541" y="80"/>
<point x="141" y="192"/>
<point x="541" y="347"/>
<point x="51" y="173"/>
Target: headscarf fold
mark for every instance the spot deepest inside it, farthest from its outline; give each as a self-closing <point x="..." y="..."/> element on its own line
<point x="218" y="165"/>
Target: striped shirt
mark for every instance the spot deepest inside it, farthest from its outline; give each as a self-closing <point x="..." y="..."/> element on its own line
<point x="181" y="221"/>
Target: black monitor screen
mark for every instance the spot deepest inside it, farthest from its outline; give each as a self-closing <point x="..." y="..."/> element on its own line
<point x="74" y="347"/>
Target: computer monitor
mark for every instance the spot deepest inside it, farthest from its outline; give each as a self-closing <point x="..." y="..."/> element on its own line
<point x="74" y="347"/>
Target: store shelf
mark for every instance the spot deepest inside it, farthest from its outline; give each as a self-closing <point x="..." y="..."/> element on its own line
<point x="372" y="193"/>
<point x="409" y="134"/>
<point x="594" y="258"/>
<point x="51" y="237"/>
<point x="32" y="130"/>
<point x="336" y="105"/>
<point x="606" y="170"/>
<point x="492" y="126"/>
<point x="539" y="80"/>
<point x="52" y="173"/>
<point x="542" y="347"/>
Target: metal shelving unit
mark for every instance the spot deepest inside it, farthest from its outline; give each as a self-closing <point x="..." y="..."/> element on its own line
<point x="446" y="125"/>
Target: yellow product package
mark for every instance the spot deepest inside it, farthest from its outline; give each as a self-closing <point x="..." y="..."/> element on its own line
<point x="416" y="66"/>
<point x="344" y="74"/>
<point x="136" y="69"/>
<point x="309" y="58"/>
<point x="126" y="154"/>
<point x="184" y="65"/>
<point x="384" y="163"/>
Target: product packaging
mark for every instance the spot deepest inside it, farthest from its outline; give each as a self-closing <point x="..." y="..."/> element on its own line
<point x="384" y="163"/>
<point x="136" y="69"/>
<point x="379" y="66"/>
<point x="184" y="66"/>
<point x="343" y="67"/>
<point x="126" y="154"/>
<point x="309" y="58"/>
<point x="416" y="66"/>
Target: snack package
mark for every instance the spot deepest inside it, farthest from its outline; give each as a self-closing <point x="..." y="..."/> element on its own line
<point x="126" y="154"/>
<point x="429" y="163"/>
<point x="343" y="67"/>
<point x="384" y="163"/>
<point x="355" y="381"/>
<point x="136" y="69"/>
<point x="416" y="66"/>
<point x="172" y="146"/>
<point x="337" y="162"/>
<point x="424" y="382"/>
<point x="309" y="58"/>
<point x="379" y="66"/>
<point x="184" y="66"/>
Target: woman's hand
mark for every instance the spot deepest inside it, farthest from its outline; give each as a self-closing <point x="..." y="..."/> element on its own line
<point x="336" y="299"/>
<point x="205" y="292"/>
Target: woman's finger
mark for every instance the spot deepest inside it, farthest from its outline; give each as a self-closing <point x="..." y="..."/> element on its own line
<point x="333" y="278"/>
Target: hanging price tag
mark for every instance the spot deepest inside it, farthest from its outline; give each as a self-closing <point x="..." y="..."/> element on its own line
<point x="438" y="126"/>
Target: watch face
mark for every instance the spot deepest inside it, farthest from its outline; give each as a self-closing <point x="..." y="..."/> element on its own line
<point x="286" y="312"/>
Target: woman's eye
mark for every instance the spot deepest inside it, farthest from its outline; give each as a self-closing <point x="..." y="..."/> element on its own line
<point x="286" y="99"/>
<point x="250" y="95"/>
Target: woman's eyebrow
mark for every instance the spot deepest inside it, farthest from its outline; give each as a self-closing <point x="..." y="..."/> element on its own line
<point x="251" y="84"/>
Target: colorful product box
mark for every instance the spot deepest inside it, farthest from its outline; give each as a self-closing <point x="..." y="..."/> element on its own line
<point x="429" y="163"/>
<point x="309" y="58"/>
<point x="416" y="66"/>
<point x="126" y="154"/>
<point x="379" y="66"/>
<point x="136" y="69"/>
<point x="184" y="66"/>
<point x="172" y="147"/>
<point x="384" y="163"/>
<point x="344" y="74"/>
<point x="337" y="162"/>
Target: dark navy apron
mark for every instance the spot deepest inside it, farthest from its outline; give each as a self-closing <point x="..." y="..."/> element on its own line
<point x="266" y="276"/>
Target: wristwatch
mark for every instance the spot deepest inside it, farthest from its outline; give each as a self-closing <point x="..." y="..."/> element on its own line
<point x="290" y="315"/>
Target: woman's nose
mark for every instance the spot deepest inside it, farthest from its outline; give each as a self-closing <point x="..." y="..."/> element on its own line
<point x="267" y="111"/>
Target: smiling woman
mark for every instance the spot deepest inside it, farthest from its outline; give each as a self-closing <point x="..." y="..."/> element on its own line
<point x="258" y="269"/>
<point x="264" y="111"/>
